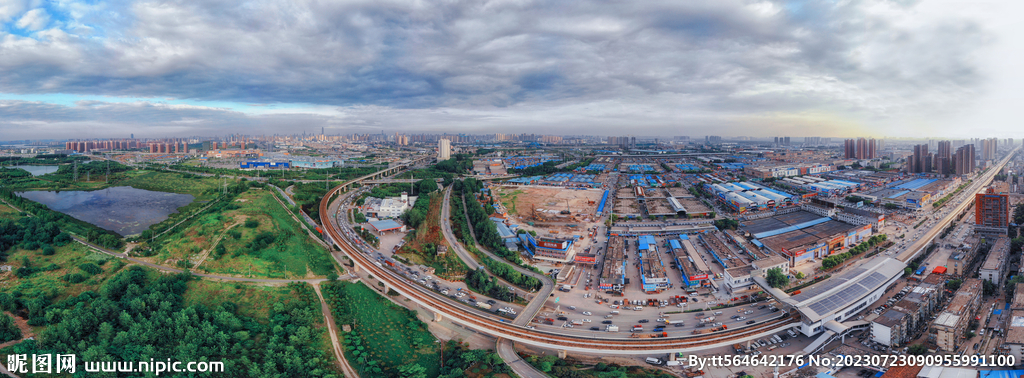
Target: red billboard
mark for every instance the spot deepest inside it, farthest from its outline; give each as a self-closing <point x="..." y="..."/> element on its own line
<point x="699" y="277"/>
<point x="551" y="244"/>
<point x="586" y="257"/>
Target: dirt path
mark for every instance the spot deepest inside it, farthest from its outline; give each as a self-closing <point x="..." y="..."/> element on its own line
<point x="206" y="253"/>
<point x="331" y="328"/>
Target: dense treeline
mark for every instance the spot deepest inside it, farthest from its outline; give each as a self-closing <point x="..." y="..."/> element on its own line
<point x="308" y="196"/>
<point x="562" y="368"/>
<point x="458" y="164"/>
<point x="415" y="216"/>
<point x="8" y="329"/>
<point x="337" y="173"/>
<point x="458" y="359"/>
<point x="482" y="282"/>
<point x="61" y="221"/>
<point x="41" y="159"/>
<point x="135" y="317"/>
<point x="486" y="230"/>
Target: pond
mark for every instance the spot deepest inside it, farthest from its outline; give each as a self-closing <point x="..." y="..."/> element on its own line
<point x="122" y="209"/>
<point x="38" y="170"/>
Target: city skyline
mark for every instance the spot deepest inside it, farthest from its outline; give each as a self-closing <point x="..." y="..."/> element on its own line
<point x="866" y="69"/>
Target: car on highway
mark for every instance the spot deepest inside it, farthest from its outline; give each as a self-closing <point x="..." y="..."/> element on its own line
<point x="644" y="321"/>
<point x="606" y="322"/>
<point x="751" y="321"/>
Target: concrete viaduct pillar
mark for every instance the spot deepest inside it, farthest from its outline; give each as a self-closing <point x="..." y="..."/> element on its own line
<point x="561" y="354"/>
<point x="437" y="316"/>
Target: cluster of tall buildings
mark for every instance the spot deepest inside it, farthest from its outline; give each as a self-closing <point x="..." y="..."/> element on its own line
<point x="625" y="142"/>
<point x="816" y="141"/>
<point x="944" y="160"/>
<point x="783" y="141"/>
<point x="110" y="144"/>
<point x="861" y="148"/>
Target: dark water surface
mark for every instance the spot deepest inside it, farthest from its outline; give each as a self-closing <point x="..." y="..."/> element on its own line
<point x="122" y="209"/>
<point x="38" y="170"/>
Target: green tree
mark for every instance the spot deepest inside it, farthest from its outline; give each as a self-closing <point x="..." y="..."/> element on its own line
<point x="8" y="329"/>
<point x="412" y="370"/>
<point x="953" y="285"/>
<point x="917" y="349"/>
<point x="989" y="288"/>
<point x="777" y="278"/>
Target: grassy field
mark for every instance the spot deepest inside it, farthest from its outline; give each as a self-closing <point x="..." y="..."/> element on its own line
<point x="384" y="335"/>
<point x="6" y="212"/>
<point x="173" y="182"/>
<point x="254" y="301"/>
<point x="275" y="246"/>
<point x="510" y="204"/>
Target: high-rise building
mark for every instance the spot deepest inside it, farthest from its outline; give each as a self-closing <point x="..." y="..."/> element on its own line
<point x="963" y="160"/>
<point x="444" y="149"/>
<point x="943" y="157"/>
<point x="921" y="161"/>
<point x="861" y="148"/>
<point x="991" y="212"/>
<point x="988" y="149"/>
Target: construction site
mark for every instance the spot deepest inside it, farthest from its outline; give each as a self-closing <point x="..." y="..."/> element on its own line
<point x="550" y="207"/>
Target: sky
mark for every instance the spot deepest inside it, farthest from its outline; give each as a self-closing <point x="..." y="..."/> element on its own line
<point x="878" y="68"/>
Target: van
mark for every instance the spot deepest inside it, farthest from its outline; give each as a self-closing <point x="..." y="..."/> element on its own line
<point x="718" y="313"/>
<point x="653" y="361"/>
<point x="608" y="316"/>
<point x="615" y="312"/>
<point x="637" y="308"/>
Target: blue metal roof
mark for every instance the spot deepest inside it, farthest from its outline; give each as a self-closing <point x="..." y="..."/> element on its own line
<point x="792" y="228"/>
<point x="898" y="194"/>
<point x="915" y="184"/>
<point x="384" y="225"/>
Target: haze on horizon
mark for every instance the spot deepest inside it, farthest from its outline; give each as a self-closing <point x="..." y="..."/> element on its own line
<point x="899" y="68"/>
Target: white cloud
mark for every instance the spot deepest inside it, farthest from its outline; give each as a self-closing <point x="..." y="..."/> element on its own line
<point x="10" y="8"/>
<point x="34" y="20"/>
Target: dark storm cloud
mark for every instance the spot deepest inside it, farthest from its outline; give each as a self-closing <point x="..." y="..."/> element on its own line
<point x="720" y="59"/>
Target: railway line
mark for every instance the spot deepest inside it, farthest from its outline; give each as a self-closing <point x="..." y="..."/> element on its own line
<point x="500" y="328"/>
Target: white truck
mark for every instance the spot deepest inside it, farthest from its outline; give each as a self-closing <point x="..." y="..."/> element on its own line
<point x="654" y="361"/>
<point x="611" y="328"/>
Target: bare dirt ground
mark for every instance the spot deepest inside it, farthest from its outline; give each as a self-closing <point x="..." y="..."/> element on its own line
<point x="548" y="202"/>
